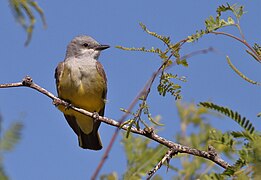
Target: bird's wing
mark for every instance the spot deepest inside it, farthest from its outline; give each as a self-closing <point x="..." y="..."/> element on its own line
<point x="57" y="75"/>
<point x="101" y="71"/>
<point x="70" y="119"/>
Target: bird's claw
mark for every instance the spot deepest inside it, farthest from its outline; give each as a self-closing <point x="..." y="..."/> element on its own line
<point x="95" y="116"/>
<point x="57" y="102"/>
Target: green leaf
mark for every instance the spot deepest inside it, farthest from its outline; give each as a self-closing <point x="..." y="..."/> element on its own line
<point x="164" y="39"/>
<point x="241" y="74"/>
<point x="235" y="9"/>
<point x="213" y="176"/>
<point x="242" y="134"/>
<point x="243" y="122"/>
<point x="240" y="12"/>
<point x="195" y="37"/>
<point x="137" y="150"/>
<point x="230" y="20"/>
<point x="257" y="48"/>
<point x="146" y="111"/>
<point x="225" y="140"/>
<point x="142" y="49"/>
<point x="223" y="8"/>
<point x="166" y="85"/>
<point x="235" y="168"/>
<point x="111" y="176"/>
<point x="182" y="62"/>
<point x="131" y="122"/>
<point x="3" y="175"/>
<point x="11" y="137"/>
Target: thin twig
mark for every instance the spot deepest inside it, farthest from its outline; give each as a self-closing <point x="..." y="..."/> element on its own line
<point x="240" y="31"/>
<point x="170" y="153"/>
<point x="240" y="40"/>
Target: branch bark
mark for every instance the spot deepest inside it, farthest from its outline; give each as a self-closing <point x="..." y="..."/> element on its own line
<point x="170" y="153"/>
<point x="175" y="147"/>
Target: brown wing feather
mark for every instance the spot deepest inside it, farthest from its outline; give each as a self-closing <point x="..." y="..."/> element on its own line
<point x="70" y="119"/>
<point x="101" y="71"/>
<point x="58" y="72"/>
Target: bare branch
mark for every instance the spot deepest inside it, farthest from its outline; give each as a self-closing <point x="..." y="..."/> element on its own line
<point x="177" y="148"/>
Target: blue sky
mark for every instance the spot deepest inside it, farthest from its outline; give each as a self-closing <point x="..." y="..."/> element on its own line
<point x="49" y="148"/>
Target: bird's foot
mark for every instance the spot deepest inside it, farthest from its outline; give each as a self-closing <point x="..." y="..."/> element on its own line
<point x="95" y="116"/>
<point x="67" y="105"/>
<point x="58" y="102"/>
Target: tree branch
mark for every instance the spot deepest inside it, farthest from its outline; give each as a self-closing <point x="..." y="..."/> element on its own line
<point x="149" y="133"/>
<point x="257" y="57"/>
<point x="170" y="153"/>
<point x="143" y="93"/>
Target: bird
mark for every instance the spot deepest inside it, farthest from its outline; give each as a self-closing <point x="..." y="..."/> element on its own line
<point x="81" y="81"/>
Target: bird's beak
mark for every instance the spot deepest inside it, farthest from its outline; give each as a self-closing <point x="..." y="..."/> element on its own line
<point x="101" y="47"/>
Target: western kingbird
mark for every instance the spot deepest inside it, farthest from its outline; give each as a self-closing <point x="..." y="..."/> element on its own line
<point x="81" y="81"/>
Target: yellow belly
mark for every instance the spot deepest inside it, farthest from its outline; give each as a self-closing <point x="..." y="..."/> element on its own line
<point x="85" y="92"/>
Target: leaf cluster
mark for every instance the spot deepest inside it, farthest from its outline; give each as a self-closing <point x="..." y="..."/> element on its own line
<point x="242" y="147"/>
<point x="167" y="80"/>
<point x="137" y="150"/>
<point x="245" y="144"/>
<point x="212" y="24"/>
<point x="23" y="12"/>
<point x="170" y="50"/>
<point x="193" y="117"/>
<point x="215" y="23"/>
<point x="166" y="85"/>
<point x="8" y="139"/>
<point x="242" y="121"/>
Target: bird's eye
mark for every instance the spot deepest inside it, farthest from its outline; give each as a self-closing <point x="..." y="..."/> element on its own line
<point x="85" y="44"/>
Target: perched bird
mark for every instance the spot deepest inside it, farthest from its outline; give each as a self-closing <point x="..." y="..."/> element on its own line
<point x="81" y="81"/>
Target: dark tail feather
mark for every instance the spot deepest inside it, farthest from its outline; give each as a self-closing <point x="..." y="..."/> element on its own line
<point x="90" y="141"/>
<point x="86" y="141"/>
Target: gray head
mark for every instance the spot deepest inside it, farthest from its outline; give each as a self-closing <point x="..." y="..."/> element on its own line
<point x="84" y="46"/>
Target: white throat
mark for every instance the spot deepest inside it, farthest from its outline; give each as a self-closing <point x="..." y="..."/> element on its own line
<point x="91" y="53"/>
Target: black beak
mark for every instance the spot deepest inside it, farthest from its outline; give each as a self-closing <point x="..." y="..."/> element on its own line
<point x="101" y="47"/>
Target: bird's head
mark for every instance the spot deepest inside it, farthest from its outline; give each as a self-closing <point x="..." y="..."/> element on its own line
<point x="84" y="46"/>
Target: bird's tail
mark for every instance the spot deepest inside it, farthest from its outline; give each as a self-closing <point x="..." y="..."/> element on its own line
<point x="90" y="141"/>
